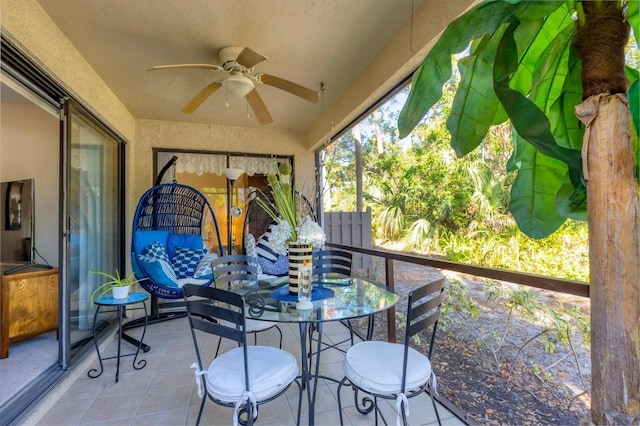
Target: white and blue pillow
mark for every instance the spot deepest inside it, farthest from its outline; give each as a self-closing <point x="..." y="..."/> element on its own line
<point x="203" y="269"/>
<point x="156" y="251"/>
<point x="156" y="265"/>
<point x="185" y="260"/>
<point x="264" y="248"/>
<point x="278" y="268"/>
<point x="250" y="249"/>
<point x="270" y="262"/>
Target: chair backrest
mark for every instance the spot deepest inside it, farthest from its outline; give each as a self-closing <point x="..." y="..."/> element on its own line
<point x="210" y="307"/>
<point x="234" y="269"/>
<point x="332" y="261"/>
<point x="423" y="311"/>
<point x="173" y="207"/>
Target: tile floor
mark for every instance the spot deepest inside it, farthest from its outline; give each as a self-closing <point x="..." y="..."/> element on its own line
<point x="164" y="391"/>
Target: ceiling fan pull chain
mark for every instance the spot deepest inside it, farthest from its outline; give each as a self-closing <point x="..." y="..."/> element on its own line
<point x="226" y="96"/>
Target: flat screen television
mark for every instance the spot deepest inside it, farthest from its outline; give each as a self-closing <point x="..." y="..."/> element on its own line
<point x="17" y="224"/>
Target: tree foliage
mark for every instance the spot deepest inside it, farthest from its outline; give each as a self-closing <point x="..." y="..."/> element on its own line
<point x="521" y="64"/>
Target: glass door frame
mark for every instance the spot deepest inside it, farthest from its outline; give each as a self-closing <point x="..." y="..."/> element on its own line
<point x="68" y="357"/>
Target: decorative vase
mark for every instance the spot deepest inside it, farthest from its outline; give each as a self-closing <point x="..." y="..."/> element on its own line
<point x="120" y="292"/>
<point x="298" y="253"/>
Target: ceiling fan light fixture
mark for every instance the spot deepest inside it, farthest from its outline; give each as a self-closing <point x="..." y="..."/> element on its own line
<point x="238" y="85"/>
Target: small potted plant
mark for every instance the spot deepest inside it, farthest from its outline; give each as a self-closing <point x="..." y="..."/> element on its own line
<point x="119" y="286"/>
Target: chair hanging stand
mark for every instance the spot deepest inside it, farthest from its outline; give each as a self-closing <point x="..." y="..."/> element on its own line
<point x="178" y="211"/>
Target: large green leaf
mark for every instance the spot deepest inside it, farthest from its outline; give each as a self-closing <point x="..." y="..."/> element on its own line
<point x="634" y="105"/>
<point x="551" y="70"/>
<point x="565" y="126"/>
<point x="533" y="193"/>
<point x="532" y="39"/>
<point x="571" y="203"/>
<point x="633" y="16"/>
<point x="634" y="96"/>
<point x="529" y="122"/>
<point x="475" y="104"/>
<point x="485" y="18"/>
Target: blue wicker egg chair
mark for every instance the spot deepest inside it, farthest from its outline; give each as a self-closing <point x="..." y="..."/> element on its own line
<point x="168" y="209"/>
<point x="178" y="209"/>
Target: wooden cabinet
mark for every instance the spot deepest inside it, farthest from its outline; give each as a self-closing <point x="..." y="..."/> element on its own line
<point x="28" y="306"/>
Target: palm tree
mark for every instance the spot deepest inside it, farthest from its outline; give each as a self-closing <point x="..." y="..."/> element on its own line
<point x="557" y="70"/>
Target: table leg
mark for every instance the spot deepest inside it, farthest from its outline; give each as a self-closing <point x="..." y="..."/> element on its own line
<point x="92" y="373"/>
<point x="120" y="309"/>
<point x="141" y="345"/>
<point x="307" y="364"/>
<point x="120" y="313"/>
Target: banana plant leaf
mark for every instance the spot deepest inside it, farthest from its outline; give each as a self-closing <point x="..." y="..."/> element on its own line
<point x="533" y="193"/>
<point x="520" y="65"/>
<point x="483" y="19"/>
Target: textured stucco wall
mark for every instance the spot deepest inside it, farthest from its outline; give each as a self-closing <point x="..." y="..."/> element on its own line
<point x="398" y="59"/>
<point x="26" y="24"/>
<point x="163" y="134"/>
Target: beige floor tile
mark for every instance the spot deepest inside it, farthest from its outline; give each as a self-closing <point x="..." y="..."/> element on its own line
<point x="164" y="391"/>
<point x="86" y="388"/>
<point x="110" y="408"/>
<point x="164" y="399"/>
<point x="166" y="418"/>
<point x="130" y="383"/>
<point x="65" y="412"/>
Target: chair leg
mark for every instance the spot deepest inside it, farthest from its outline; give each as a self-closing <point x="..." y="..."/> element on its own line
<point x="350" y="331"/>
<point x="370" y="326"/>
<point x="204" y="399"/>
<point x="340" y="400"/>
<point x="299" y="401"/>
<point x="218" y="347"/>
<point x="403" y="414"/>
<point x="435" y="405"/>
<point x="279" y="332"/>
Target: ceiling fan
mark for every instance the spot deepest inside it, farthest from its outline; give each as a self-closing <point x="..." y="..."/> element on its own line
<point x="239" y="64"/>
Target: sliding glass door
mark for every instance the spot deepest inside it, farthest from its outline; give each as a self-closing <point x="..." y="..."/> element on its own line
<point x="93" y="219"/>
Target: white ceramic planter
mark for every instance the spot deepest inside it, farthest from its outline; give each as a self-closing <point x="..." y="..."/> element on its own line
<point x="120" y="292"/>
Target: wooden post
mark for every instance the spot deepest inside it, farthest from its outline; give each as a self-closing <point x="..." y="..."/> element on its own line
<point x="391" y="313"/>
<point x="614" y="255"/>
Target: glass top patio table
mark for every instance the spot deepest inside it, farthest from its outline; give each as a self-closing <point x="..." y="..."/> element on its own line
<point x="358" y="298"/>
<point x="339" y="301"/>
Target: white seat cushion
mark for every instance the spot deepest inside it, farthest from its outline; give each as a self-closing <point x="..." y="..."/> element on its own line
<point x="377" y="367"/>
<point x="270" y="370"/>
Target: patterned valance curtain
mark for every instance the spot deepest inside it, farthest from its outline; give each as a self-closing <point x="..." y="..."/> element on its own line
<point x="200" y="164"/>
<point x="256" y="165"/>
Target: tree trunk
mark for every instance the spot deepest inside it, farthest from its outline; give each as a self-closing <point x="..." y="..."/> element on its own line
<point x="357" y="138"/>
<point x="614" y="255"/>
<point x="613" y="215"/>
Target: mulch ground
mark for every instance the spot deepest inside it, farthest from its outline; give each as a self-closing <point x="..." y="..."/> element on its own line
<point x="499" y="391"/>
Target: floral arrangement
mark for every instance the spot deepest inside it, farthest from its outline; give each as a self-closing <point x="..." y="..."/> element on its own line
<point x="284" y="209"/>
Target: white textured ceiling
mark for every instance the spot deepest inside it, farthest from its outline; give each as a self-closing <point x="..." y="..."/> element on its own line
<point x="306" y="41"/>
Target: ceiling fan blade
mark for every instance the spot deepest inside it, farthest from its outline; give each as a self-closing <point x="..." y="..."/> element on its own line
<point x="291" y="87"/>
<point x="249" y="58"/>
<point x="182" y="66"/>
<point x="258" y="107"/>
<point x="201" y="97"/>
